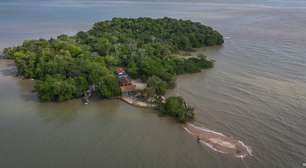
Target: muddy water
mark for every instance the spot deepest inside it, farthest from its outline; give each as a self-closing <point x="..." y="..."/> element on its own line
<point x="256" y="92"/>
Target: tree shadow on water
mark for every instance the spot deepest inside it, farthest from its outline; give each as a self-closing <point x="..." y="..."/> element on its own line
<point x="58" y="113"/>
<point x="7" y="68"/>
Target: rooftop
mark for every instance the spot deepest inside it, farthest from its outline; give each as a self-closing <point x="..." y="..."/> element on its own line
<point x="120" y="71"/>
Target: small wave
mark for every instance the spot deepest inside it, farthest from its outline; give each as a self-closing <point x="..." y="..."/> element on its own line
<point x="250" y="152"/>
<point x="186" y="129"/>
<point x="212" y="147"/>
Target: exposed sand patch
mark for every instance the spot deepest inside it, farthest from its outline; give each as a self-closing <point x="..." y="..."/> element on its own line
<point x="219" y="142"/>
<point x="136" y="102"/>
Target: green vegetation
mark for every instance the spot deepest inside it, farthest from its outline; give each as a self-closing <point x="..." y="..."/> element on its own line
<point x="177" y="108"/>
<point x="58" y="88"/>
<point x="66" y="66"/>
<point x="155" y="86"/>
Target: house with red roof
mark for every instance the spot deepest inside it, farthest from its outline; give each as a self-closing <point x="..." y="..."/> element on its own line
<point x="125" y="82"/>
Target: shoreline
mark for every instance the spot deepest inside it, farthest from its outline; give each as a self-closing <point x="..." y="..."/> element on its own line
<point x="214" y="140"/>
<point x="137" y="103"/>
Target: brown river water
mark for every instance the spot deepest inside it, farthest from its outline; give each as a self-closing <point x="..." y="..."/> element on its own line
<point x="256" y="93"/>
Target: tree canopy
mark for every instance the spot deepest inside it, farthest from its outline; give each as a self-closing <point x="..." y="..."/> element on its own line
<point x="65" y="66"/>
<point x="177" y="108"/>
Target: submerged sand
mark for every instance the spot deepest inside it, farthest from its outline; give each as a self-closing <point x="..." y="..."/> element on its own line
<point x="219" y="142"/>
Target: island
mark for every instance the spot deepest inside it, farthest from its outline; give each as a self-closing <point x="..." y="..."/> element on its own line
<point x="116" y="56"/>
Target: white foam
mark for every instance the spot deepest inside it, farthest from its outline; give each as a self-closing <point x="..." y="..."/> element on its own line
<point x="249" y="150"/>
<point x="188" y="131"/>
<point x="241" y="156"/>
<point x="207" y="130"/>
<point x="211" y="147"/>
<point x="205" y="143"/>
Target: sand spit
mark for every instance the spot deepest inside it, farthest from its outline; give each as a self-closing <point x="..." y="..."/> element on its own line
<point x="219" y="142"/>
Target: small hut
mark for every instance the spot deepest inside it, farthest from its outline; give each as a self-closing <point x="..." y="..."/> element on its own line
<point x="125" y="82"/>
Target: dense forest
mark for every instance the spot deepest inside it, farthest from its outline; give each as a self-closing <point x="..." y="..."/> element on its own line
<point x="66" y="66"/>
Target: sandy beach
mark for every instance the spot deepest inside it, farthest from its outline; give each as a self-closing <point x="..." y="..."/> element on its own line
<point x="135" y="102"/>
